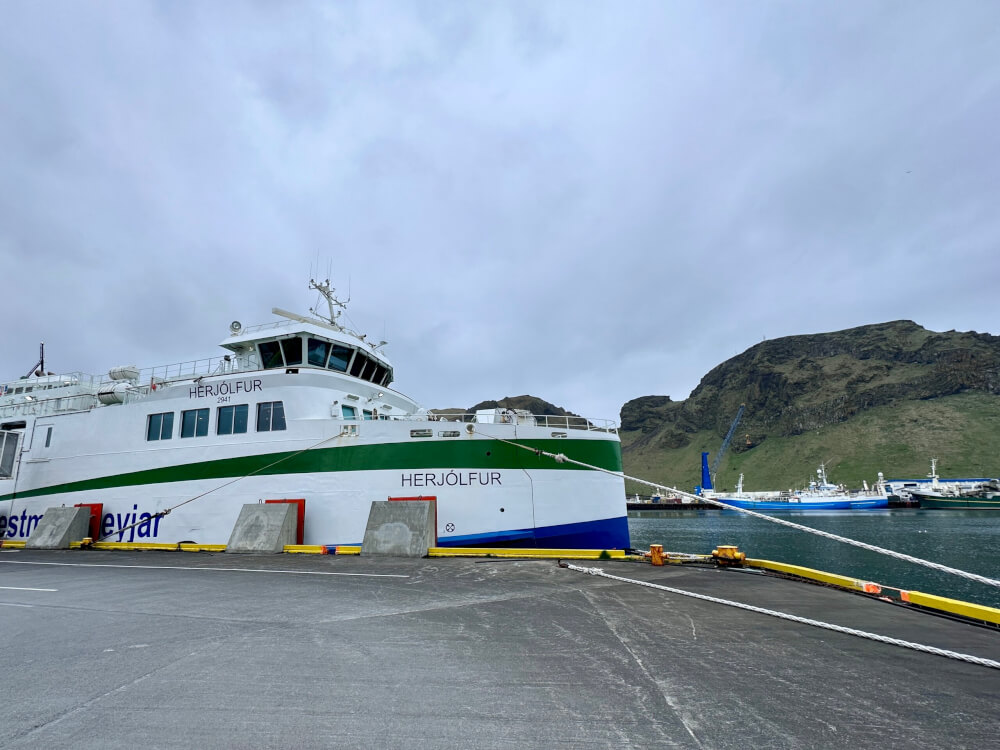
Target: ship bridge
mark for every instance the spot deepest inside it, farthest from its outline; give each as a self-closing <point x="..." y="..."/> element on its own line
<point x="304" y="343"/>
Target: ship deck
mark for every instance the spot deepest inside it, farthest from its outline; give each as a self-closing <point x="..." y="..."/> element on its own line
<point x="169" y="649"/>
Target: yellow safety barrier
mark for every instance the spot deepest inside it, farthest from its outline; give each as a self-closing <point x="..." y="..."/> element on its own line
<point x="305" y="549"/>
<point x="201" y="547"/>
<point x="954" y="606"/>
<point x="815" y="575"/>
<point x="347" y="549"/>
<point x="928" y="601"/>
<point x="12" y="544"/>
<point x="528" y="553"/>
<point x="126" y="546"/>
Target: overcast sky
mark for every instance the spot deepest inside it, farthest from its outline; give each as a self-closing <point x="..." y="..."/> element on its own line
<point x="587" y="202"/>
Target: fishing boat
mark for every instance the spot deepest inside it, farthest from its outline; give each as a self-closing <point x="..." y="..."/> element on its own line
<point x="981" y="495"/>
<point x="820" y="495"/>
<point x="986" y="499"/>
<point x="298" y="409"/>
<point x="935" y="486"/>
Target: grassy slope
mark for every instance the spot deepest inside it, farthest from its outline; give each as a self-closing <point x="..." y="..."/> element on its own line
<point x="963" y="431"/>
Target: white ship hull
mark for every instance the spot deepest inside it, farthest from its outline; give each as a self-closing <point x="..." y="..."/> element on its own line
<point x="487" y="491"/>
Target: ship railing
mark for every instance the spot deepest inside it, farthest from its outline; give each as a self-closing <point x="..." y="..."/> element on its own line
<point x="534" y="420"/>
<point x="228" y="363"/>
<point x="49" y="394"/>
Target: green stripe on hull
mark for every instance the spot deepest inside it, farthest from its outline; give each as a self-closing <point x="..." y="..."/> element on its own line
<point x="475" y="454"/>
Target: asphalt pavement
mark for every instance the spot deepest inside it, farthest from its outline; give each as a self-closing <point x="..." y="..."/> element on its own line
<point x="168" y="649"/>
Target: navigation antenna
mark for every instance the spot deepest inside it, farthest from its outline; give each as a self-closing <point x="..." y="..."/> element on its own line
<point x="39" y="367"/>
<point x="332" y="302"/>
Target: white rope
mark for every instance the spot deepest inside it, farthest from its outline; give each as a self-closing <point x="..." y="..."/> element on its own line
<point x="562" y="458"/>
<point x="795" y="618"/>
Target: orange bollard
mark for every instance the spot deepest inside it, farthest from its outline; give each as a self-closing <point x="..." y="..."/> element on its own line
<point x="656" y="554"/>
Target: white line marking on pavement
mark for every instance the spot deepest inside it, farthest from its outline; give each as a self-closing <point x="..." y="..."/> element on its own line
<point x="229" y="570"/>
<point x="11" y="604"/>
<point x="19" y="588"/>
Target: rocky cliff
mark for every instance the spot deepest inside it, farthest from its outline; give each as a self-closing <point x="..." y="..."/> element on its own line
<point x="803" y="383"/>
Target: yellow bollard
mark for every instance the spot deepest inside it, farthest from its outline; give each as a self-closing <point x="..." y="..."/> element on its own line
<point x="656" y="554"/>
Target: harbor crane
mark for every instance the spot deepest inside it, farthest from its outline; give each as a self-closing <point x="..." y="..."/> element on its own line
<point x="708" y="476"/>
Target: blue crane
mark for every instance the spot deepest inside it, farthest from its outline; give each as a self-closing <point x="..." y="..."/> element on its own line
<point x="708" y="476"/>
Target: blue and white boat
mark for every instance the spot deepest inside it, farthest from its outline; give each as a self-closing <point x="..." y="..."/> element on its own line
<point x="821" y="495"/>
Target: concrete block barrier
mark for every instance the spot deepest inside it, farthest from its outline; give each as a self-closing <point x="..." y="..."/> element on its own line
<point x="59" y="527"/>
<point x="400" y="529"/>
<point x="263" y="528"/>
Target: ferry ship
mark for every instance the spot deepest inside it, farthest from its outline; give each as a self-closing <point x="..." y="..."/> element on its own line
<point x="301" y="408"/>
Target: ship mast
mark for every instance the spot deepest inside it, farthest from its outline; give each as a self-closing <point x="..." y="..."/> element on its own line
<point x="332" y="302"/>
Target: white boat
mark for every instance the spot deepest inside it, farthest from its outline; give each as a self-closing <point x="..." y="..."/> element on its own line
<point x="297" y="409"/>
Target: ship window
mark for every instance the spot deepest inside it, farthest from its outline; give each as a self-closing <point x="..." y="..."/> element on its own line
<point x="369" y="370"/>
<point x="379" y="374"/>
<point x="318" y="352"/>
<point x="360" y="360"/>
<point x="194" y="423"/>
<point x="270" y="416"/>
<point x="8" y="450"/>
<point x="421" y="433"/>
<point x="160" y="426"/>
<point x="339" y="357"/>
<point x="449" y="433"/>
<point x="232" y="419"/>
<point x="367" y="414"/>
<point x="349" y="411"/>
<point x="292" y="349"/>
<point x="48" y="437"/>
<point x="270" y="354"/>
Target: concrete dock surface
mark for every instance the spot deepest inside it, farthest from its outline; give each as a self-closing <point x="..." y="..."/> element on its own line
<point x="171" y="649"/>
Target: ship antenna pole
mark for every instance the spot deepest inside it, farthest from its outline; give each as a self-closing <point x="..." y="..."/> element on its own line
<point x="39" y="367"/>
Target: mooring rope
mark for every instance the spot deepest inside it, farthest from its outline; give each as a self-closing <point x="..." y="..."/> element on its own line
<point x="563" y="458"/>
<point x="794" y="618"/>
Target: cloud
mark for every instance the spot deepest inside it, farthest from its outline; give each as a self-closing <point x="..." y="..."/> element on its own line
<point x="586" y="204"/>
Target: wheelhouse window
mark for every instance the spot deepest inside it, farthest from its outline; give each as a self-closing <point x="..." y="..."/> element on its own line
<point x="194" y="423"/>
<point x="270" y="355"/>
<point x="340" y="356"/>
<point x="232" y="420"/>
<point x="349" y="412"/>
<point x="319" y="352"/>
<point x="292" y="349"/>
<point x="359" y="364"/>
<point x="160" y="426"/>
<point x="270" y="416"/>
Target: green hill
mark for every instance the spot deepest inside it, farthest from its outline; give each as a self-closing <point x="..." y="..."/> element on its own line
<point x="885" y="397"/>
<point x="962" y="431"/>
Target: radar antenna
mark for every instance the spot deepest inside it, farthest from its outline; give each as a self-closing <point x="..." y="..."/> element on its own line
<point x="332" y="302"/>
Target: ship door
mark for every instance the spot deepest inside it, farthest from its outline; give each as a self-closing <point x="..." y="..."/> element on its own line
<point x="8" y="453"/>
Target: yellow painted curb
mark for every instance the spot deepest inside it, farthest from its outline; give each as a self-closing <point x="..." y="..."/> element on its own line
<point x="955" y="607"/>
<point x="201" y="547"/>
<point x="12" y="544"/>
<point x="305" y="549"/>
<point x="929" y="601"/>
<point x="129" y="546"/>
<point x="346" y="549"/>
<point x="814" y="575"/>
<point x="528" y="553"/>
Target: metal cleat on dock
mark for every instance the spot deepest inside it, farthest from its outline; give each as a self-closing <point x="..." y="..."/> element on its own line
<point x="729" y="554"/>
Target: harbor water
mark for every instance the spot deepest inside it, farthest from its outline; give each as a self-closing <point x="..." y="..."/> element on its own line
<point x="966" y="540"/>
